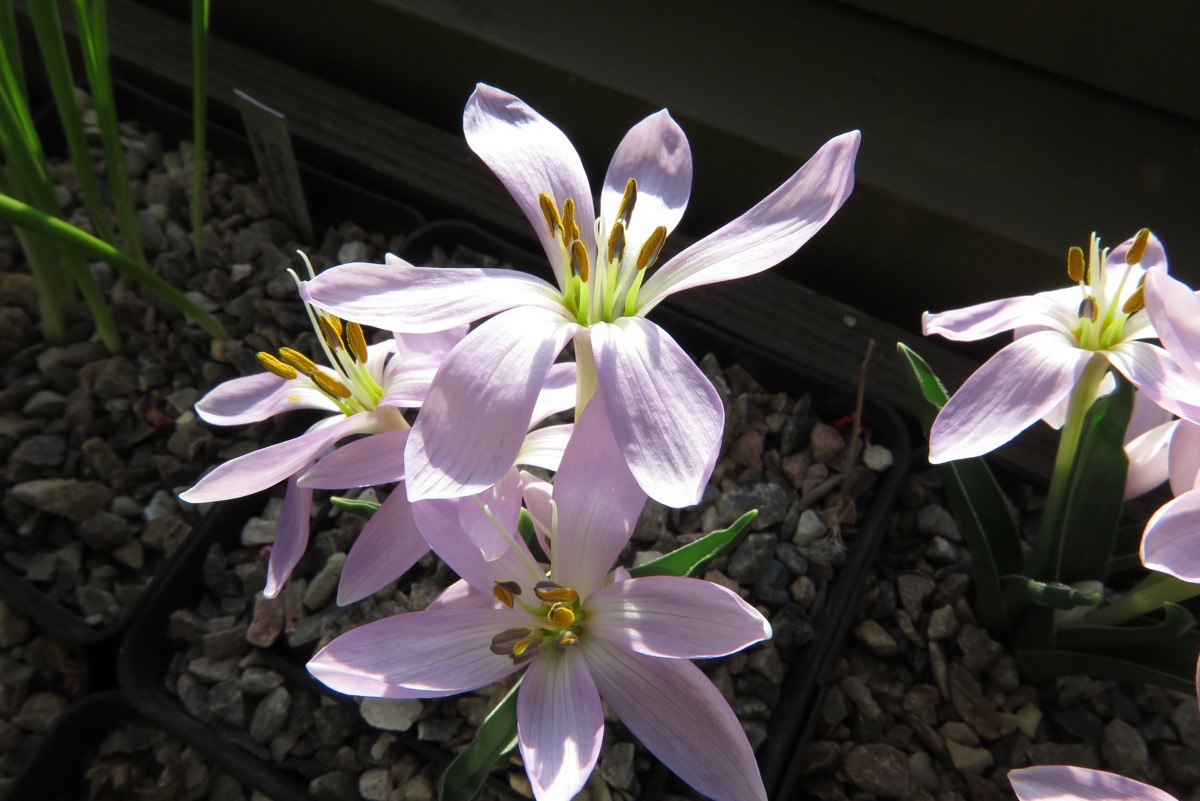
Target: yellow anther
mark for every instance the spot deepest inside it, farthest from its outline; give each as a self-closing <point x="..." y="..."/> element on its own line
<point x="298" y="360"/>
<point x="628" y="199"/>
<point x="525" y="650"/>
<point x="1138" y="249"/>
<point x="651" y="248"/>
<point x="560" y="615"/>
<point x="1136" y="301"/>
<point x="550" y="213"/>
<point x="331" y="330"/>
<point x="549" y="591"/>
<point x="275" y="366"/>
<point x="330" y="384"/>
<point x="570" y="229"/>
<point x="579" y="259"/>
<point x="1075" y="264"/>
<point x="616" y="241"/>
<point x="1088" y="309"/>
<point x="502" y="643"/>
<point x="565" y="639"/>
<point x="504" y="592"/>
<point x="356" y="341"/>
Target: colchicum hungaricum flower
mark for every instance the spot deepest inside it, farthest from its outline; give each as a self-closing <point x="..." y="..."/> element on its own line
<point x="365" y="391"/>
<point x="1066" y="783"/>
<point x="580" y="633"/>
<point x="665" y="413"/>
<point x="1065" y="338"/>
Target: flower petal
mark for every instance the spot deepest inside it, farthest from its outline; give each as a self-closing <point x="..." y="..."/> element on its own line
<point x="560" y="724"/>
<point x="407" y="388"/>
<point x="982" y="320"/>
<point x="377" y="459"/>
<point x="1154" y="256"/>
<point x="674" y="617"/>
<point x="768" y="233"/>
<point x="386" y="548"/>
<point x="530" y="155"/>
<point x="557" y="393"/>
<point x="427" y="654"/>
<point x="1175" y="311"/>
<point x="400" y="297"/>
<point x="544" y="448"/>
<point x="1151" y="370"/>
<point x="677" y="713"/>
<point x="1004" y="396"/>
<point x="1183" y="458"/>
<point x="656" y="154"/>
<point x="665" y="414"/>
<point x="1171" y="542"/>
<point x="429" y="347"/>
<point x="291" y="537"/>
<point x="461" y="595"/>
<point x="268" y="466"/>
<point x="1148" y="459"/>
<point x="1064" y="783"/>
<point x="474" y="420"/>
<point x="538" y="495"/>
<point x="256" y="397"/>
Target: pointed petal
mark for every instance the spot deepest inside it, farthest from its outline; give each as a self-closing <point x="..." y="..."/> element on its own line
<point x="665" y="414"/>
<point x="1006" y="395"/>
<point x="386" y="548"/>
<point x="1066" y="783"/>
<point x="268" y="466"/>
<point x="427" y="654"/>
<point x="544" y="448"/>
<point x="598" y="501"/>
<point x="291" y="537"/>
<point x="1175" y="311"/>
<point x="560" y="724"/>
<point x="557" y="394"/>
<point x="256" y="397"/>
<point x="985" y="319"/>
<point x="470" y="429"/>
<point x="1183" y="458"/>
<point x="1148" y="459"/>
<point x="656" y="154"/>
<point x="530" y="155"/>
<point x="768" y="233"/>
<point x="674" y="617"/>
<point x="401" y="297"/>
<point x="377" y="459"/>
<point x="1171" y="543"/>
<point x="1151" y="370"/>
<point x="677" y="713"/>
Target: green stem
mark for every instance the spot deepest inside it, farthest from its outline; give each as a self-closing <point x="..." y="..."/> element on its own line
<point x="1148" y="596"/>
<point x="1044" y="562"/>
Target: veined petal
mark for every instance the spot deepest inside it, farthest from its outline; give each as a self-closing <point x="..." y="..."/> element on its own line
<point x="665" y="414"/>
<point x="1148" y="459"/>
<point x="985" y="319"/>
<point x="1007" y="394"/>
<point x="268" y="466"/>
<point x="677" y="713"/>
<point x="430" y="347"/>
<point x="474" y="419"/>
<point x="674" y="617"/>
<point x="1183" y="458"/>
<point x="377" y="459"/>
<point x="538" y="494"/>
<point x="560" y="724"/>
<point x="427" y="654"/>
<point x="530" y="155"/>
<point x="1150" y="369"/>
<point x="461" y="595"/>
<point x="251" y="398"/>
<point x="1171" y="542"/>
<point x="1175" y="311"/>
<point x="557" y="394"/>
<point x="401" y="297"/>
<point x="291" y="537"/>
<point x="386" y="548"/>
<point x="1066" y="783"/>
<point x="598" y="501"/>
<point x="544" y="448"/>
<point x="768" y="233"/>
<point x="656" y="154"/>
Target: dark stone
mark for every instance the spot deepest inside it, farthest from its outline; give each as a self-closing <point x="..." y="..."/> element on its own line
<point x="879" y="769"/>
<point x="771" y="587"/>
<point x="793" y="628"/>
<point x="751" y="558"/>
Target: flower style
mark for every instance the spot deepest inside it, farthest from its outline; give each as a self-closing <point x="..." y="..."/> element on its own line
<point x="364" y="391"/>
<point x="666" y="414"/>
<point x="580" y="635"/>
<point x="1064" y="338"/>
<point x="1066" y="783"/>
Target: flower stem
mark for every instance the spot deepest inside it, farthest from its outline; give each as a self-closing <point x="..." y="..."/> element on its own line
<point x="1148" y="596"/>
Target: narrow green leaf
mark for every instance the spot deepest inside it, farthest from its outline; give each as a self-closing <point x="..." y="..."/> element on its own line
<point x="1170" y="664"/>
<point x="1126" y="553"/>
<point x="693" y="558"/>
<point x="1177" y="622"/>
<point x="356" y="506"/>
<point x="525" y="527"/>
<point x="978" y="503"/>
<point x="1021" y="591"/>
<point x="15" y="212"/>
<point x="494" y="740"/>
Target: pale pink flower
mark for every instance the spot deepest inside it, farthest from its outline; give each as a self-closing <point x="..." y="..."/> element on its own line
<point x="1066" y="783"/>
<point x="580" y="634"/>
<point x="1058" y="335"/>
<point x="667" y="416"/>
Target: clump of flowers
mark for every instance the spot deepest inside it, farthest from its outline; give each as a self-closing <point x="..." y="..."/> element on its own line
<point x="540" y="590"/>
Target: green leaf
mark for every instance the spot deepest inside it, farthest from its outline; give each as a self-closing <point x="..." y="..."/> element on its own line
<point x="1178" y="621"/>
<point x="977" y="502"/>
<point x="1021" y="591"/>
<point x="1126" y="553"/>
<point x="692" y="558"/>
<point x="1086" y="527"/>
<point x="355" y="506"/>
<point x="1171" y="664"/>
<point x="494" y="740"/>
<point x="525" y="527"/>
